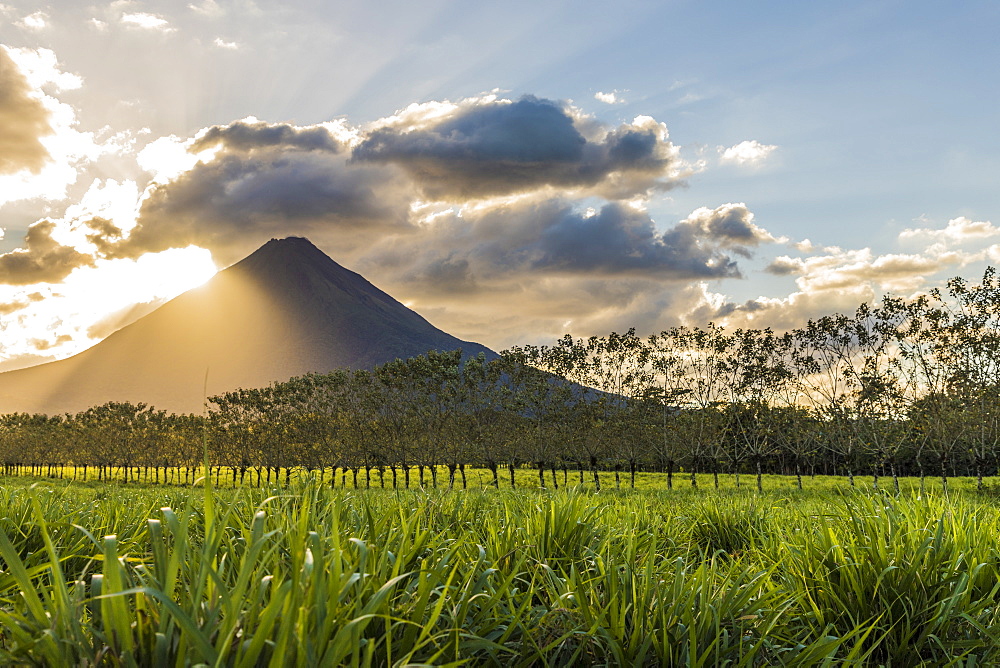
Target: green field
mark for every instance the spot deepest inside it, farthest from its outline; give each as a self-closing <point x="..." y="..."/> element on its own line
<point x="108" y="574"/>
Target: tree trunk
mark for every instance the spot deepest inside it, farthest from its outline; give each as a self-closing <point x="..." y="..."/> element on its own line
<point x="631" y="471"/>
<point x="760" y="478"/>
<point x="541" y="474"/>
<point x="798" y="475"/>
<point x="510" y="468"/>
<point x="597" y="476"/>
<point x="895" y="475"/>
<point x="461" y="472"/>
<point x="670" y="474"/>
<point x="555" y="479"/>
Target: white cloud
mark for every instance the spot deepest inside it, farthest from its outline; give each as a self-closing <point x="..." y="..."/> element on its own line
<point x="839" y="280"/>
<point x="207" y="8"/>
<point x="223" y="44"/>
<point x="67" y="147"/>
<point x="37" y="21"/>
<point x="750" y="152"/>
<point x="147" y="21"/>
<point x="41" y="68"/>
<point x="608" y="98"/>
<point x="98" y="24"/>
<point x="958" y="231"/>
<point x="168" y="157"/>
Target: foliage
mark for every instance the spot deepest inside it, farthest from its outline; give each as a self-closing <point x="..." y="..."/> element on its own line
<point x="110" y="575"/>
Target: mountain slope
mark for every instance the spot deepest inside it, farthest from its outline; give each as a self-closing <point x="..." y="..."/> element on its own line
<point x="285" y="310"/>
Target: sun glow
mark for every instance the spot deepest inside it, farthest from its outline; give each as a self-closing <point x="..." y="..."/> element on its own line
<point x="94" y="301"/>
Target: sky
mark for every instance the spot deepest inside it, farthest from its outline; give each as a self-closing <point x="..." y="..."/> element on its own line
<point x="512" y="171"/>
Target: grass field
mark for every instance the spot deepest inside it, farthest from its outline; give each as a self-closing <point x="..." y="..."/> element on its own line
<point x="110" y="574"/>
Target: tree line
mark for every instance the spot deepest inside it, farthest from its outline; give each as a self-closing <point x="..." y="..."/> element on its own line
<point x="904" y="387"/>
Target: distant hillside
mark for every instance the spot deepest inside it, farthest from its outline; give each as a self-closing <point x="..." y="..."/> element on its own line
<point x="285" y="310"/>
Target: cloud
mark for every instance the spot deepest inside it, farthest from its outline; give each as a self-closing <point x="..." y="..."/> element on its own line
<point x="146" y="21"/>
<point x="534" y="268"/>
<point x="43" y="345"/>
<point x="36" y="21"/>
<point x="732" y="226"/>
<point x="608" y="98"/>
<point x="6" y="308"/>
<point x="751" y="153"/>
<point x="487" y="147"/>
<point x="238" y="184"/>
<point x="785" y="266"/>
<point x="621" y="240"/>
<point x="838" y="280"/>
<point x="251" y="135"/>
<point x="208" y="8"/>
<point x="223" y="44"/>
<point x="24" y="121"/>
<point x="258" y="180"/>
<point x="41" y="150"/>
<point x="958" y="231"/>
<point x="42" y="260"/>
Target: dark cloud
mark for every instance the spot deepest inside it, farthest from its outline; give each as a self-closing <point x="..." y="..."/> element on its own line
<point x="731" y="225"/>
<point x="785" y="266"/>
<point x="267" y="180"/>
<point x="498" y="148"/>
<point x="484" y="251"/>
<point x="247" y="136"/>
<point x="23" y="121"/>
<point x="621" y="240"/>
<point x="104" y="234"/>
<point x="450" y="274"/>
<point x="241" y="198"/>
<point x="42" y="260"/>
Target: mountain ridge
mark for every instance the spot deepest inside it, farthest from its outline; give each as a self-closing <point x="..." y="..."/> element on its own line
<point x="284" y="310"/>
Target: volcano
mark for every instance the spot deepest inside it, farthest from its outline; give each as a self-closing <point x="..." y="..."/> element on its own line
<point x="283" y="311"/>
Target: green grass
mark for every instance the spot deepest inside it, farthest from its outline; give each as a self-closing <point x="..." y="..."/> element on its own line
<point x="141" y="576"/>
